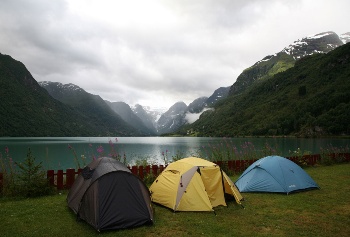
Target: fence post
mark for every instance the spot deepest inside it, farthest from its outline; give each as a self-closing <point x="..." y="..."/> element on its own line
<point x="134" y="170"/>
<point x="70" y="177"/>
<point x="306" y="158"/>
<point x="230" y="165"/>
<point x="238" y="166"/>
<point x="314" y="159"/>
<point x="141" y="172"/>
<point x="59" y="179"/>
<point x="347" y="156"/>
<point x="51" y="177"/>
<point x="161" y="168"/>
<point x="155" y="170"/>
<point x="219" y="163"/>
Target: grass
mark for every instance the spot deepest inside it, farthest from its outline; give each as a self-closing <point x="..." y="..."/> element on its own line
<point x="324" y="212"/>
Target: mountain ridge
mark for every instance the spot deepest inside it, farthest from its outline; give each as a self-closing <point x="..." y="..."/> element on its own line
<point x="27" y="109"/>
<point x="310" y="99"/>
<point x="68" y="109"/>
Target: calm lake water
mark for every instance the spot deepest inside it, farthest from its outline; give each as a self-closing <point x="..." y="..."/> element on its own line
<point x="57" y="152"/>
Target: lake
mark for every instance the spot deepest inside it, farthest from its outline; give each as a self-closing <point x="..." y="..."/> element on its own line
<point x="58" y="152"/>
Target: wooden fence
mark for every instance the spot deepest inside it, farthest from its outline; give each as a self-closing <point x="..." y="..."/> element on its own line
<point x="64" y="180"/>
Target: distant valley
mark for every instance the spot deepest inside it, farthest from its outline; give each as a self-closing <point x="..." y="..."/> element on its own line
<point x="31" y="108"/>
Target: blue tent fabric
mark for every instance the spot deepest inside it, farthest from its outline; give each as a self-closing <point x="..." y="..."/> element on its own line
<point x="275" y="174"/>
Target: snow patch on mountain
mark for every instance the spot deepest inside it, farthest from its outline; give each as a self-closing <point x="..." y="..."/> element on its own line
<point x="313" y="44"/>
<point x="345" y="38"/>
<point x="68" y="87"/>
<point x="320" y="35"/>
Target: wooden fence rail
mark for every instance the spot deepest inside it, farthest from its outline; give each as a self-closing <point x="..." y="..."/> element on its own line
<point x="64" y="180"/>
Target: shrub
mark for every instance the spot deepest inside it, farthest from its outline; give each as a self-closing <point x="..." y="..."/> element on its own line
<point x="31" y="180"/>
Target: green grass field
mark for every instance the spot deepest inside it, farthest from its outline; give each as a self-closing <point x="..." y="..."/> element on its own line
<point x="324" y="212"/>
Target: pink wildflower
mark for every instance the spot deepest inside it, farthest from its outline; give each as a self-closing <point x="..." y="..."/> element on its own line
<point x="6" y="150"/>
<point x="100" y="149"/>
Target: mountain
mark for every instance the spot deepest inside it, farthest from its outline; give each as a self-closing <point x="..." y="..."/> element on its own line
<point x="219" y="94"/>
<point x="173" y="119"/>
<point x="285" y="59"/>
<point x="345" y="38"/>
<point x="197" y="105"/>
<point x="91" y="106"/>
<point x="27" y="109"/>
<point x="148" y="116"/>
<point x="68" y="110"/>
<point x="263" y="69"/>
<point x="310" y="99"/>
<point x="128" y="115"/>
<point x="319" y="43"/>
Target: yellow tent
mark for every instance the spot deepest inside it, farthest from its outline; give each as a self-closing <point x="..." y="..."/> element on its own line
<point x="193" y="184"/>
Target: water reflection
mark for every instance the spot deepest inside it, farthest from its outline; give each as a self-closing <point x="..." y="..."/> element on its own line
<point x="54" y="153"/>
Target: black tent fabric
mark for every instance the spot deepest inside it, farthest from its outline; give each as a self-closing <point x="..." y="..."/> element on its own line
<point x="108" y="196"/>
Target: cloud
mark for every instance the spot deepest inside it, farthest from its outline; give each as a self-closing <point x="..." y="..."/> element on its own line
<point x="192" y="117"/>
<point x="156" y="52"/>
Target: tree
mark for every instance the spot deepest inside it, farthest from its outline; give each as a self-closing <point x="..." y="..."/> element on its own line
<point x="31" y="179"/>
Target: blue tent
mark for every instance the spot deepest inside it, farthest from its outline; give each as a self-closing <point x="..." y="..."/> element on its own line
<point x="275" y="174"/>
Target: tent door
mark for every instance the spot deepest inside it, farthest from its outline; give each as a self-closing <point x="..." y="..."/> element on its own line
<point x="212" y="180"/>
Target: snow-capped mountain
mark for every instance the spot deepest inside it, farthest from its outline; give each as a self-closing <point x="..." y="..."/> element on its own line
<point x="132" y="117"/>
<point x="286" y="58"/>
<point x="173" y="119"/>
<point x="319" y="43"/>
<point x="345" y="38"/>
<point x="61" y="92"/>
<point x="148" y="115"/>
<point x="162" y="120"/>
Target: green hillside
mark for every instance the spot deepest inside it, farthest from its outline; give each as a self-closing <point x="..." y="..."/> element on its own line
<point x="266" y="68"/>
<point x="26" y="109"/>
<point x="310" y="99"/>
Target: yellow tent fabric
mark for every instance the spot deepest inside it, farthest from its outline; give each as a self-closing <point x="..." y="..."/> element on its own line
<point x="212" y="179"/>
<point x="193" y="184"/>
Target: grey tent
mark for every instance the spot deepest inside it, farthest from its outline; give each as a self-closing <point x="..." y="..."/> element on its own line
<point x="108" y="196"/>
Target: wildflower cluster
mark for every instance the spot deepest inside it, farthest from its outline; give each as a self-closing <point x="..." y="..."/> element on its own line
<point x="94" y="154"/>
<point x="300" y="156"/>
<point x="8" y="169"/>
<point x="226" y="150"/>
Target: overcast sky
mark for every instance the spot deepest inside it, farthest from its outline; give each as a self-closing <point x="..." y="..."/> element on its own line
<point x="157" y="52"/>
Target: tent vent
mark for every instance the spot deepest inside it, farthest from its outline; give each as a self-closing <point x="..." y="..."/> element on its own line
<point x="87" y="172"/>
